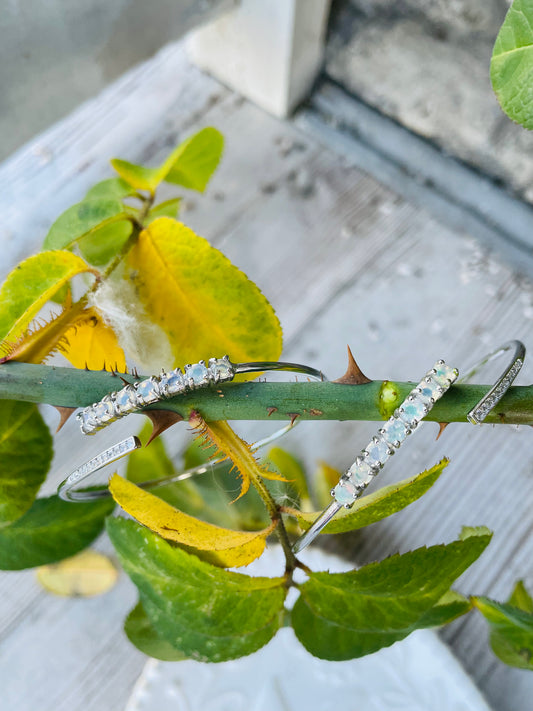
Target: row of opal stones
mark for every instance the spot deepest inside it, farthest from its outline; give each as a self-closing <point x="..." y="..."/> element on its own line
<point x="145" y="392"/>
<point x="404" y="420"/>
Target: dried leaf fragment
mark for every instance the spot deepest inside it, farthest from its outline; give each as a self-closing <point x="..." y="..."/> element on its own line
<point x="86" y="574"/>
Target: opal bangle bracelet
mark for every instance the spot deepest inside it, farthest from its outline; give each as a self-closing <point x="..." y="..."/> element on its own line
<point x="171" y="384"/>
<point x="372" y="459"/>
<point x="417" y="404"/>
<point x="176" y="382"/>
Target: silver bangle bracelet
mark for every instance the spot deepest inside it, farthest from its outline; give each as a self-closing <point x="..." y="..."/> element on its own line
<point x="154" y="389"/>
<point x="411" y="411"/>
<point x="66" y="490"/>
<point x="137" y="395"/>
<point x="372" y="459"/>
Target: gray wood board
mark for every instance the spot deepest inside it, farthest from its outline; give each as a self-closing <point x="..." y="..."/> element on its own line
<point x="344" y="260"/>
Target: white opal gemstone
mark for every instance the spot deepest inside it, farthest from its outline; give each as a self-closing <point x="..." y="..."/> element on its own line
<point x="221" y="369"/>
<point x="345" y="492"/>
<point x="394" y="431"/>
<point x="377" y="453"/>
<point x="87" y="420"/>
<point x="198" y="374"/>
<point x="148" y="391"/>
<point x="360" y="473"/>
<point x="412" y="411"/>
<point x="172" y="383"/>
<point x="443" y="374"/>
<point x="125" y="400"/>
<point x="429" y="390"/>
<point x="104" y="410"/>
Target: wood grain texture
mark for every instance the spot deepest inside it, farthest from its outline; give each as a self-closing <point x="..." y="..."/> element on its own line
<point x="343" y="260"/>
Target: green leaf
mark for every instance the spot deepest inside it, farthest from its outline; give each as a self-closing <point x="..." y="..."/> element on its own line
<point x="378" y="505"/>
<point x="346" y="615"/>
<point x="511" y="68"/>
<point x="51" y="530"/>
<point x="203" y="611"/>
<point x="25" y="457"/>
<point x="511" y="632"/>
<point x="142" y="635"/>
<point x="169" y="208"/>
<point x="191" y="164"/>
<point x="195" y="161"/>
<point x="112" y="188"/>
<point x="30" y="285"/>
<point x="521" y="598"/>
<point x="205" y="305"/>
<point x="103" y="243"/>
<point x="451" y="606"/>
<point x="81" y="219"/>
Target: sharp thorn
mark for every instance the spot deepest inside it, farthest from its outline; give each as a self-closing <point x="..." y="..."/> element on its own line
<point x="442" y="427"/>
<point x="270" y="410"/>
<point x="64" y="414"/>
<point x="126" y="382"/>
<point x="161" y="420"/>
<point x="354" y="374"/>
<point x="293" y="416"/>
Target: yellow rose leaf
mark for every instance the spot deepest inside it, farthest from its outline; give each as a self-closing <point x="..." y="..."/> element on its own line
<point x="220" y="546"/>
<point x="31" y="284"/>
<point x="205" y="304"/>
<point x="92" y="342"/>
<point x="88" y="573"/>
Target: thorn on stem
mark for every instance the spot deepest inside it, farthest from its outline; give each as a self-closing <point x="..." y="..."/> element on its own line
<point x="161" y="420"/>
<point x="64" y="414"/>
<point x="293" y="416"/>
<point x="270" y="410"/>
<point x="354" y="374"/>
<point x="442" y="427"/>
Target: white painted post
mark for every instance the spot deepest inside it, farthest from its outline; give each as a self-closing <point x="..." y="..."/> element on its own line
<point x="267" y="50"/>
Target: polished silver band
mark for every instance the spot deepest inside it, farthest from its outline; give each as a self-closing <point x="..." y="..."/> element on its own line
<point x="135" y="396"/>
<point x="372" y="459"/>
<point x="518" y="352"/>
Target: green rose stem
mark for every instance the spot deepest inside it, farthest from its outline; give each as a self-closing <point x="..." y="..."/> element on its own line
<point x="67" y="387"/>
